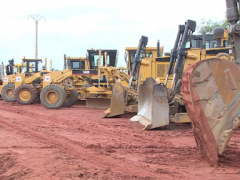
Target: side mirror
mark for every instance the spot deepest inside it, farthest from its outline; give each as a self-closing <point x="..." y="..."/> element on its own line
<point x="125" y="57"/>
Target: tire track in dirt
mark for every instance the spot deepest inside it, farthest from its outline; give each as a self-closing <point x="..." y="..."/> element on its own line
<point x="134" y="145"/>
<point x="164" y="154"/>
<point x="99" y="161"/>
<point x="100" y="128"/>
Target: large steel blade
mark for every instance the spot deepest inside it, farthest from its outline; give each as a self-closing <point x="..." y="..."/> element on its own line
<point x="117" y="101"/>
<point x="98" y="103"/>
<point x="153" y="108"/>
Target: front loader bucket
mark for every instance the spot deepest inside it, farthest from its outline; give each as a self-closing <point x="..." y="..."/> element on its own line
<point x="117" y="101"/>
<point x="98" y="103"/>
<point x="153" y="108"/>
<point x="211" y="92"/>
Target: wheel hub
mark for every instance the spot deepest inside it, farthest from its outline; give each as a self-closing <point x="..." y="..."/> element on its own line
<point x="10" y="93"/>
<point x="52" y="97"/>
<point x="25" y="94"/>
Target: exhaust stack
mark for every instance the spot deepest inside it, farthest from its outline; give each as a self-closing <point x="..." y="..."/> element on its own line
<point x="158" y="48"/>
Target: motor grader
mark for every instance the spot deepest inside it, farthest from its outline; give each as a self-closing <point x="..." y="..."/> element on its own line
<point x="77" y="63"/>
<point x="93" y="82"/>
<point x="211" y="94"/>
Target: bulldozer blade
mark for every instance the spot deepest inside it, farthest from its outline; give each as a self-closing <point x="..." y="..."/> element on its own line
<point x="211" y="94"/>
<point x="117" y="101"/>
<point x="153" y="108"/>
<point x="98" y="103"/>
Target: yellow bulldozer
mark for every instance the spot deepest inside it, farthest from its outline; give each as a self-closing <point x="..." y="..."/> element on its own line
<point x="151" y="65"/>
<point x="158" y="104"/>
<point x="158" y="68"/>
<point x="161" y="67"/>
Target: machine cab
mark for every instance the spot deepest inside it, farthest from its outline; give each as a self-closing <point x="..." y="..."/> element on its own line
<point x="147" y="53"/>
<point x="110" y="59"/>
<point x="13" y="68"/>
<point x="75" y="63"/>
<point x="31" y="65"/>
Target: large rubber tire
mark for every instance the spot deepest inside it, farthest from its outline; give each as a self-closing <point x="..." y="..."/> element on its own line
<point x="71" y="99"/>
<point x="8" y="92"/>
<point x="25" y="94"/>
<point x="53" y="96"/>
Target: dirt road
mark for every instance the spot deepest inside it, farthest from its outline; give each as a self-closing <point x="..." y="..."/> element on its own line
<point x="76" y="143"/>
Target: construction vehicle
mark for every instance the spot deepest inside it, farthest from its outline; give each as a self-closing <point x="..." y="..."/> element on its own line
<point x="93" y="82"/>
<point x="13" y="68"/>
<point x="29" y="83"/>
<point x="8" y="74"/>
<point x="77" y="63"/>
<point x="124" y="95"/>
<point x="158" y="101"/>
<point x="82" y="73"/>
<point x="99" y="94"/>
<point x="7" y="70"/>
<point x="22" y="86"/>
<point x="150" y="64"/>
<point x="211" y="94"/>
<point x="153" y="107"/>
<point x="155" y="67"/>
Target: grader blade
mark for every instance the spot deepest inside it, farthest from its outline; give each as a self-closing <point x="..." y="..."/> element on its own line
<point x="211" y="94"/>
<point x="153" y="108"/>
<point x="98" y="103"/>
<point x="117" y="101"/>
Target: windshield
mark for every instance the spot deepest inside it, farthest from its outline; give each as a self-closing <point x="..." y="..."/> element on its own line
<point x="77" y="64"/>
<point x="32" y="66"/>
<point x="17" y="69"/>
<point x="93" y="57"/>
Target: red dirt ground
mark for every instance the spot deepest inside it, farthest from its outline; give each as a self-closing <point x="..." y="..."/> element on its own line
<point x="76" y="143"/>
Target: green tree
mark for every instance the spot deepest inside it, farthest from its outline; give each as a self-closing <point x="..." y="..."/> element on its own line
<point x="210" y="25"/>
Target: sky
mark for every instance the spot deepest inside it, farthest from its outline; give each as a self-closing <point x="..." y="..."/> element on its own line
<point x="73" y="26"/>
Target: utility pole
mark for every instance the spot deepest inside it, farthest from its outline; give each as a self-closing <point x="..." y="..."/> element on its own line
<point x="36" y="18"/>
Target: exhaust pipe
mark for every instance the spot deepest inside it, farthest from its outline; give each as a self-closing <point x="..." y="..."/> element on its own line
<point x="203" y="38"/>
<point x="232" y="11"/>
<point x="218" y="35"/>
<point x="65" y="61"/>
<point x="158" y="48"/>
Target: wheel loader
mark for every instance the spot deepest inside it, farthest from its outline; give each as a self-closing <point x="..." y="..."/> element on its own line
<point x="23" y="87"/>
<point x="7" y="74"/>
<point x="29" y="84"/>
<point x="211" y="94"/>
<point x="7" y="88"/>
